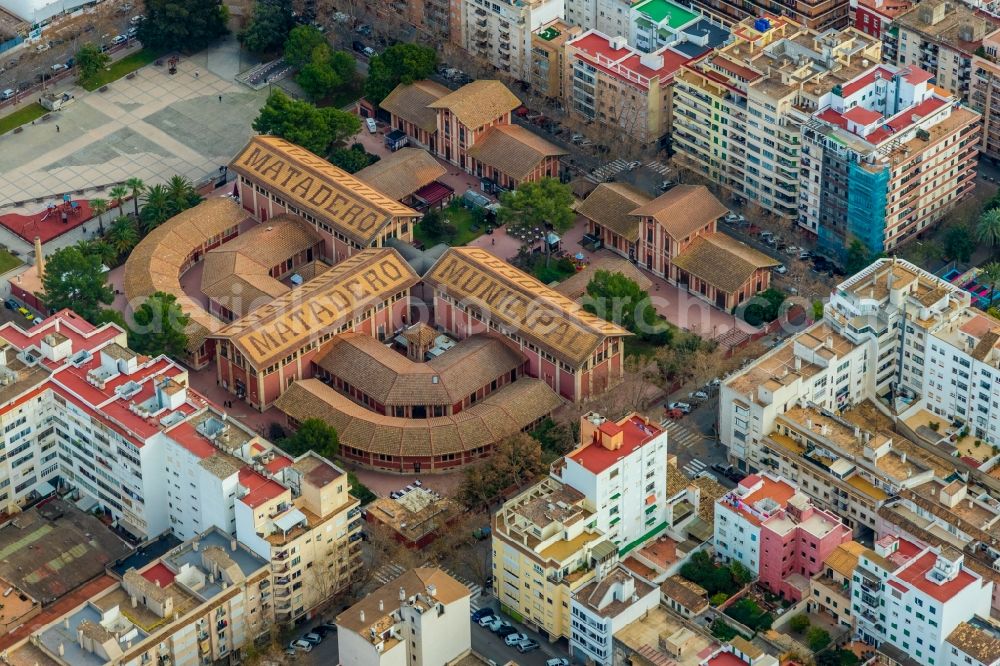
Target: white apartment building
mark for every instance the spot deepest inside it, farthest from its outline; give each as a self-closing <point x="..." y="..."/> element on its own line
<point x="79" y="409"/>
<point x="975" y="642"/>
<point x="621" y="470"/>
<point x="604" y="607"/>
<point x="608" y="16"/>
<point x="913" y="598"/>
<point x="499" y="31"/>
<point x="419" y="619"/>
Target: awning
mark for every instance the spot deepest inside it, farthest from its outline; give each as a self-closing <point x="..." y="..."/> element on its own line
<point x="86" y="503"/>
<point x="434" y="192"/>
<point x="44" y="489"/>
<point x="290" y="520"/>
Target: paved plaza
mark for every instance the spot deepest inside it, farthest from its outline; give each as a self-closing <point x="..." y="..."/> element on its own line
<point x="152" y="126"/>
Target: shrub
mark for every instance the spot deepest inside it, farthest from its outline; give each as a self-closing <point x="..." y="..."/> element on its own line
<point x="747" y="612"/>
<point x="703" y="571"/>
<point x="723" y="631"/>
<point x="799" y="623"/>
<point x="718" y="599"/>
<point x="934" y="425"/>
<point x="817" y="639"/>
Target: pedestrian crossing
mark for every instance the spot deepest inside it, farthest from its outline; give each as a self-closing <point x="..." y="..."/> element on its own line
<point x="694" y="468"/>
<point x="659" y="167"/>
<point x="602" y="173"/>
<point x="678" y="436"/>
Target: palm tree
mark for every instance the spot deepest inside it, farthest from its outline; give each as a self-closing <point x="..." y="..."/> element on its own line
<point x="137" y="186"/>
<point x="99" y="208"/>
<point x="990" y="274"/>
<point x="123" y="235"/>
<point x="182" y="193"/>
<point x="104" y="251"/>
<point x="118" y="194"/>
<point x="157" y="207"/>
<point x="988" y="228"/>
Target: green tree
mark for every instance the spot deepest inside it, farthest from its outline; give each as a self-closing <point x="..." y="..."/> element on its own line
<point x="158" y="327"/>
<point x="99" y="207"/>
<point x="617" y="298"/>
<point x="156" y="208"/>
<point x="89" y="61"/>
<point x="74" y="279"/>
<point x="799" y="623"/>
<point x="857" y="257"/>
<point x="100" y="249"/>
<point x="118" y="194"/>
<point x="959" y="243"/>
<point x="817" y="639"/>
<point x="305" y="125"/>
<point x="353" y="159"/>
<point x="182" y="194"/>
<point x="741" y="574"/>
<point x="990" y="274"/>
<point x="541" y="204"/>
<point x="301" y="44"/>
<point x="400" y="63"/>
<point x="723" y="631"/>
<point x="927" y="252"/>
<point x="269" y="26"/>
<point x="817" y="307"/>
<point x="718" y="598"/>
<point x="988" y="228"/>
<point x="763" y="307"/>
<point x="137" y="187"/>
<point x="182" y="25"/>
<point x="326" y="72"/>
<point x="313" y="435"/>
<point x="702" y="570"/>
<point x="109" y="316"/>
<point x="122" y="236"/>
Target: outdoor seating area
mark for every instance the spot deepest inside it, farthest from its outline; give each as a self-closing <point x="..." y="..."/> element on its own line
<point x="983" y="296"/>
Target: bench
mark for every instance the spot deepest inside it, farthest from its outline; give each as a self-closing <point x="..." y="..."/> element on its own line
<point x="102" y="89"/>
<point x="130" y="75"/>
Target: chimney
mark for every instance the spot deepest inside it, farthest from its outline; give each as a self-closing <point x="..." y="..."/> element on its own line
<point x="902" y="457"/>
<point x="431" y="590"/>
<point x="135" y="601"/>
<point x="62" y="649"/>
<point x="798" y="364"/>
<point x="194" y="546"/>
<point x="362" y="616"/>
<point x="39" y="258"/>
<point x="381" y="606"/>
<point x="232" y="545"/>
<point x="402" y="594"/>
<point x="829" y="342"/>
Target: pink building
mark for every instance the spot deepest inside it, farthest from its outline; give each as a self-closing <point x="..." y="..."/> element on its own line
<point x="771" y="528"/>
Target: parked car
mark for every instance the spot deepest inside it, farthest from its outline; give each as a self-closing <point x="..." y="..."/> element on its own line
<point x="11" y="304"/>
<point x="481" y="613"/>
<point x="322" y="630"/>
<point x="498" y="625"/>
<point x="26" y="313"/>
<point x="805" y="255"/>
<point x="720" y="468"/>
<point x="358" y="46"/>
<point x="683" y="406"/>
<point x="631" y="166"/>
<point x="667" y="184"/>
<point x="486" y="620"/>
<point x="301" y="645"/>
<point x="313" y="638"/>
<point x="791" y="250"/>
<point x="58" y="67"/>
<point x="733" y="218"/>
<point x="506" y="631"/>
<point x="372" y="126"/>
<point x="119" y="39"/>
<point x="369" y="52"/>
<point x="365" y="30"/>
<point x="558" y="661"/>
<point x="515" y="638"/>
<point x="527" y="646"/>
<point x="780" y="269"/>
<point x="6" y="94"/>
<point x="675" y="414"/>
<point x="698" y="395"/>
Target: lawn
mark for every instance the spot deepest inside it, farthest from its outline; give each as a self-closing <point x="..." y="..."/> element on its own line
<point x="22" y="116"/>
<point x="120" y="68"/>
<point x="455" y="225"/>
<point x="8" y="261"/>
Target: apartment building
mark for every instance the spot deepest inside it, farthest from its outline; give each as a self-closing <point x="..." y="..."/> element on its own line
<point x="608" y="16"/>
<point x="202" y="602"/>
<point x="820" y="15"/>
<point x="940" y="37"/>
<point x="874" y="17"/>
<point x="499" y="32"/>
<point x="885" y="156"/>
<point x="774" y="530"/>
<point x="975" y="642"/>
<point x="738" y="111"/>
<point x="420" y="618"/>
<point x="599" y="502"/>
<point x="830" y="588"/>
<point x="984" y="94"/>
<point x="604" y="607"/>
<point x="912" y="598"/>
<point x="548" y="58"/>
<point x="617" y="86"/>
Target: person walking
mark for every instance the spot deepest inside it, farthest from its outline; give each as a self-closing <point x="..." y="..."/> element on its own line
<point x="57" y="129"/>
<point x="220" y="99"/>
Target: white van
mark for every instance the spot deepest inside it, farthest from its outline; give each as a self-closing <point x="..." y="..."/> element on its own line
<point x="6" y="94"/>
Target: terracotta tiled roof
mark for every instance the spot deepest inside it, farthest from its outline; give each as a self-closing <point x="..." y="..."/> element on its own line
<point x="411" y="103"/>
<point x="415" y="581"/>
<point x="478" y="103"/>
<point x="400" y="174"/>
<point x="689" y="595"/>
<point x="575" y="286"/>
<point x="982" y="642"/>
<point x="722" y="261"/>
<point x="513" y="150"/>
<point x="156" y="262"/>
<point x="394" y="380"/>
<point x="683" y="210"/>
<point x="844" y="558"/>
<point x="420" y="334"/>
<point x="324" y="304"/>
<point x="499" y="415"/>
<point x="611" y="205"/>
<point x="329" y="193"/>
<point x="517" y="300"/>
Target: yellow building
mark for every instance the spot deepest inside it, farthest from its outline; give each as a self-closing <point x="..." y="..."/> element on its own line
<point x="545" y="548"/>
<point x="548" y="57"/>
